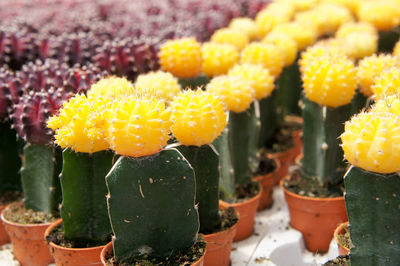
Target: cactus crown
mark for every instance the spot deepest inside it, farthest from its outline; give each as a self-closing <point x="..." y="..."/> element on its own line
<point x="198" y="117"/>
<point x="273" y="15"/>
<point x="371" y="139"/>
<point x="388" y="83"/>
<point x="181" y="57"/>
<point x="111" y="87"/>
<point x="138" y="126"/>
<point x="230" y="36"/>
<point x="218" y="58"/>
<point x="234" y="91"/>
<point x="246" y="25"/>
<point x="286" y="44"/>
<point x="355" y="27"/>
<point x="382" y="14"/>
<point x="259" y="78"/>
<point x="303" y="34"/>
<point x="329" y="80"/>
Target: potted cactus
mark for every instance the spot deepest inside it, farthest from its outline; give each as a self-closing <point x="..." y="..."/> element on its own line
<point x="370" y="143"/>
<point x="147" y="178"/>
<point x="329" y="83"/>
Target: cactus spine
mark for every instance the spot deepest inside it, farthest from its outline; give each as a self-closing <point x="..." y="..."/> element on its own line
<point x="151" y="205"/>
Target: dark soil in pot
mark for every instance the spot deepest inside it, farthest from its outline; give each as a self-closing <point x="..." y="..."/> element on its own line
<point x="229" y="217"/>
<point x="10" y="196"/>
<point x="266" y="166"/>
<point x="282" y="139"/>
<point x="244" y="192"/>
<point x="344" y="239"/>
<point x="18" y="214"/>
<point x="341" y="260"/>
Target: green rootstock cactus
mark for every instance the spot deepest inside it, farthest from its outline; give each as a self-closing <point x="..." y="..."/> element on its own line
<point x="151" y="204"/>
<point x="372" y="203"/>
<point x="40" y="177"/>
<point x="269" y="118"/>
<point x="205" y="163"/>
<point x="289" y="89"/>
<point x="84" y="206"/>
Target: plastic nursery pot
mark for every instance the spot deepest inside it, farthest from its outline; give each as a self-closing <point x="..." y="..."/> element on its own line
<point x="315" y="218"/>
<point x="4" y="239"/>
<point x="73" y="256"/>
<point x="107" y="251"/>
<point x="28" y="244"/>
<point x="267" y="183"/>
<point x="247" y="212"/>
<point x="340" y="230"/>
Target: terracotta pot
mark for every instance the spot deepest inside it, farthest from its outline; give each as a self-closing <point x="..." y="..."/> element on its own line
<point x="340" y="231"/>
<point x="4" y="239"/>
<point x="108" y="250"/>
<point x="28" y="244"/>
<point x="297" y="134"/>
<point x="247" y="213"/>
<point x="73" y="256"/>
<point x="286" y="159"/>
<point x="267" y="183"/>
<point x="315" y="218"/>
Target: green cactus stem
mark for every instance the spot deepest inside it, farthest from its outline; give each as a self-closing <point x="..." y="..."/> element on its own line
<point x="359" y="102"/>
<point x="227" y="180"/>
<point x="289" y="88"/>
<point x="42" y="165"/>
<point x="372" y="203"/>
<point x="193" y="83"/>
<point x="84" y="205"/>
<point x="268" y="118"/>
<point x="387" y="40"/>
<point x="205" y="163"/>
<point x="243" y="129"/>
<point x="323" y="157"/>
<point x="151" y="204"/>
<point x="10" y="162"/>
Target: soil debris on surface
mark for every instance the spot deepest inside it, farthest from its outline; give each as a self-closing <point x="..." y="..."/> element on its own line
<point x="282" y="139"/>
<point x="344" y="239"/>
<point x="17" y="213"/>
<point x="267" y="165"/>
<point x="341" y="260"/>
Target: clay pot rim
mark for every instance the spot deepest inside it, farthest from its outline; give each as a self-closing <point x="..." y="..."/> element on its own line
<point x="233" y="227"/>
<point x="259" y="178"/>
<point x="294" y="195"/>
<point x="52" y="244"/>
<point x="252" y="199"/>
<point x="338" y="231"/>
<point x="4" y="220"/>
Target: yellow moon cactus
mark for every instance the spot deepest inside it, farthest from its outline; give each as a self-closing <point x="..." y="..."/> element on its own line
<point x="198" y="117"/>
<point x="330" y="80"/>
<point x="371" y="141"/>
<point x="259" y="78"/>
<point x="111" y="87"/>
<point x="235" y="92"/>
<point x="286" y="44"/>
<point x="265" y="54"/>
<point x="218" y="58"/>
<point x="303" y="34"/>
<point x="181" y="57"/>
<point x="273" y="15"/>
<point x="386" y="84"/>
<point x="138" y="126"/>
<point x="246" y="25"/>
<point x="383" y="14"/>
<point x="80" y="124"/>
<point x="159" y="84"/>
<point x="231" y="36"/>
<point x="396" y="49"/>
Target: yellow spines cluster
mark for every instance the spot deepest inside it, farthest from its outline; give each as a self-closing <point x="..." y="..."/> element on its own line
<point x="259" y="78"/>
<point x="181" y="57"/>
<point x="387" y="83"/>
<point x="198" y="117"/>
<point x="161" y="85"/>
<point x="80" y="124"/>
<point x="371" y="140"/>
<point x="383" y="14"/>
<point x="111" y="87"/>
<point x="274" y="14"/>
<point x="371" y="67"/>
<point x="330" y="80"/>
<point x="396" y="49"/>
<point x="286" y="44"/>
<point x="138" y="126"/>
<point x="303" y="34"/>
<point x="218" y="58"/>
<point x="231" y="36"/>
<point x="235" y="92"/>
<point x="265" y="54"/>
<point x="245" y="25"/>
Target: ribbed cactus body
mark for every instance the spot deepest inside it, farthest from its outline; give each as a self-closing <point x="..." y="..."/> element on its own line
<point x="372" y="203"/>
<point x="205" y="163"/>
<point x="151" y="204"/>
<point x="84" y="206"/>
<point x="322" y="126"/>
<point x="268" y="118"/>
<point x="42" y="165"/>
<point x="289" y="90"/>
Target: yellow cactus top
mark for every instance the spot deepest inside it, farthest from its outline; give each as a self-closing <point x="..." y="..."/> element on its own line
<point x="246" y="25"/>
<point x="360" y="45"/>
<point x="265" y="54"/>
<point x="274" y="14"/>
<point x="286" y="44"/>
<point x="138" y="126"/>
<point x="218" y="58"/>
<point x="258" y="77"/>
<point x="300" y="5"/>
<point x="383" y="14"/>
<point x="352" y="5"/>
<point x="234" y="37"/>
<point x="80" y="124"/>
<point x="355" y="27"/>
<point x="198" y="117"/>
<point x="303" y="34"/>
<point x="111" y="87"/>
<point x="371" y="140"/>
<point x="386" y="84"/>
<point x="159" y="84"/>
<point x="181" y="57"/>
<point x="236" y="93"/>
<point x="396" y="49"/>
<point x="330" y="80"/>
<point x="371" y="67"/>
